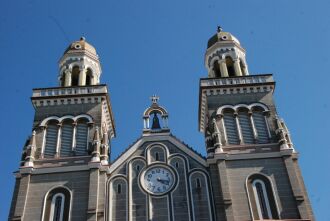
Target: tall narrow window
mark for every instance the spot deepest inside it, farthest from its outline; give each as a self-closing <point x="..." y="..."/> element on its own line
<point x="262" y="200"/>
<point x="231" y="127"/>
<point x="75" y="76"/>
<point x="57" y="207"/>
<point x="157" y="156"/>
<point x="119" y="188"/>
<point x="230" y="66"/>
<point x="216" y="69"/>
<point x="81" y="137"/>
<point x="260" y="125"/>
<point x="66" y="138"/>
<point x="51" y="139"/>
<point x="246" y="126"/>
<point x="89" y="76"/>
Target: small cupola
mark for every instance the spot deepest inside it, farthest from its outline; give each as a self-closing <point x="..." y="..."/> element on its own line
<point x="155" y="118"/>
<point x="79" y="65"/>
<point x="225" y="57"/>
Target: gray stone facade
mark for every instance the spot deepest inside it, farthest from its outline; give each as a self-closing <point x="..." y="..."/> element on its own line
<point x="250" y="172"/>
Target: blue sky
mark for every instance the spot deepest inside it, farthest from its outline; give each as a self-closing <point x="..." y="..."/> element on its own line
<point x="157" y="47"/>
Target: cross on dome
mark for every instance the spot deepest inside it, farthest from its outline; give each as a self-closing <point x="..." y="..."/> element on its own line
<point x="154" y="99"/>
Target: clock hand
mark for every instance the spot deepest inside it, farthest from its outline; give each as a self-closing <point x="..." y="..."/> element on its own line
<point x="166" y="182"/>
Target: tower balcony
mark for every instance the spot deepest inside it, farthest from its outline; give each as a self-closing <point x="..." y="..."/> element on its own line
<point x="237" y="80"/>
<point x="69" y="91"/>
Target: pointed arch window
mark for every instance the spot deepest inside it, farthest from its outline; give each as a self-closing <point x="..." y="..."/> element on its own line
<point x="66" y="138"/>
<point x="261" y="197"/>
<point x="81" y="137"/>
<point x="57" y="205"/>
<point x="51" y="139"/>
<point x="231" y="127"/>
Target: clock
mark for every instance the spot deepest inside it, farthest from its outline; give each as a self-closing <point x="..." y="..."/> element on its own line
<point x="158" y="179"/>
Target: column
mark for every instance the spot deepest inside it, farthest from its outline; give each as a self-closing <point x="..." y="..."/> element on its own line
<point x="224" y="129"/>
<point x="237" y="68"/>
<point x="240" y="137"/>
<point x="44" y="129"/>
<point x="82" y="77"/>
<point x="255" y="134"/>
<point x="223" y="68"/>
<point x="74" y="124"/>
<point x="58" y="143"/>
<point x="225" y="189"/>
<point x="68" y="78"/>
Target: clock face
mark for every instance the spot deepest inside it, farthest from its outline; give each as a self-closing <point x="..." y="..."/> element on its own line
<point x="158" y="179"/>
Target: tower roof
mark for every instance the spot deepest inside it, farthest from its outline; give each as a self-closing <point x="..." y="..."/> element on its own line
<point x="80" y="45"/>
<point x="221" y="36"/>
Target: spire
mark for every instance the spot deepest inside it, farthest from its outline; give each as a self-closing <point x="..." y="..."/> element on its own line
<point x="96" y="146"/>
<point x="30" y="151"/>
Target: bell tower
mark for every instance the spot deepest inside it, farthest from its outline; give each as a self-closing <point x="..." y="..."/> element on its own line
<point x="69" y="149"/>
<point x="254" y="166"/>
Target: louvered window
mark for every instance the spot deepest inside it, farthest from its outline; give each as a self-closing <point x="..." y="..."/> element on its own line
<point x="66" y="138"/>
<point x="51" y="139"/>
<point x="246" y="127"/>
<point x="81" y="138"/>
<point x="231" y="128"/>
<point x="261" y="127"/>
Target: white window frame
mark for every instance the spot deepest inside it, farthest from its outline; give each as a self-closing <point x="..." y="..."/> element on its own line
<point x="264" y="191"/>
<point x="52" y="206"/>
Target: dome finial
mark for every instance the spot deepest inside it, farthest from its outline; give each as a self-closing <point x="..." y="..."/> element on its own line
<point x="219" y="29"/>
<point x="154" y="99"/>
<point x="82" y="38"/>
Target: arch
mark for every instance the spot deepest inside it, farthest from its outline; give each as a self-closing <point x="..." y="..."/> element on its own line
<point x="162" y="111"/>
<point x="60" y="119"/>
<point x="261" y="195"/>
<point x="148" y="151"/>
<point x="49" y="209"/>
<point x="197" y="195"/>
<point x="115" y="199"/>
<point x="236" y="107"/>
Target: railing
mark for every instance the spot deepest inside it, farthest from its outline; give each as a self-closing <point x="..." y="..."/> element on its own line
<point x="45" y="92"/>
<point x="252" y="79"/>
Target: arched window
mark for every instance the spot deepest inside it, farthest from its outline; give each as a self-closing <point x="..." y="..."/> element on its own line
<point x="230" y="66"/>
<point x="66" y="137"/>
<point x="89" y="76"/>
<point x="216" y="69"/>
<point x="157" y="156"/>
<point x="260" y="125"/>
<point x="51" y="139"/>
<point x="81" y="137"/>
<point x="75" y="76"/>
<point x="57" y="205"/>
<point x="246" y="126"/>
<point x="261" y="197"/>
<point x="231" y="127"/>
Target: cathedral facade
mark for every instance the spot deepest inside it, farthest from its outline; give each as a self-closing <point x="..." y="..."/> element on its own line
<point x="250" y="171"/>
